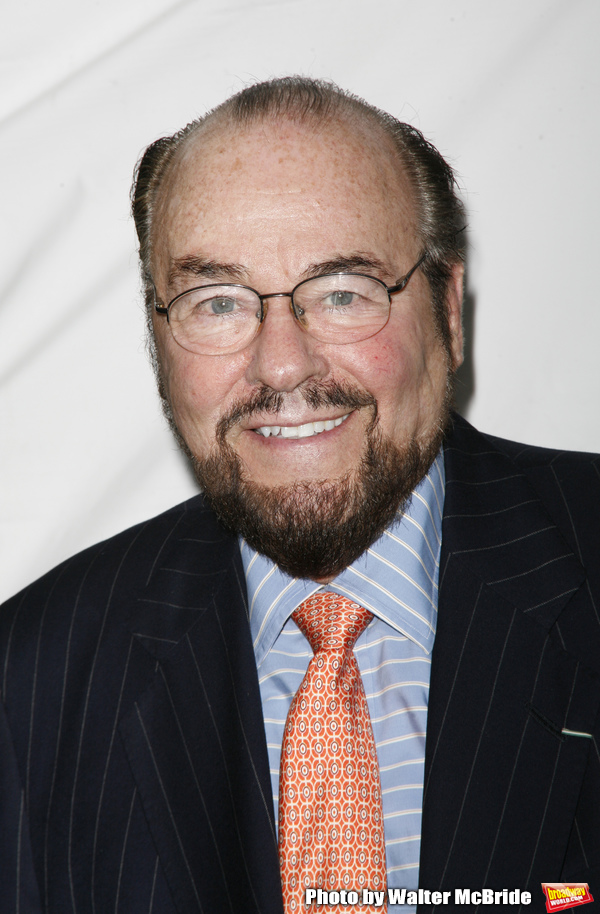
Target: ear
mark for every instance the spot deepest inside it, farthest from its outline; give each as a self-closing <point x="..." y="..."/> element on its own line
<point x="454" y="300"/>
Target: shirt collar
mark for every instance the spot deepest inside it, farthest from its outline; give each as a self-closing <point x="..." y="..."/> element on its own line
<point x="396" y="578"/>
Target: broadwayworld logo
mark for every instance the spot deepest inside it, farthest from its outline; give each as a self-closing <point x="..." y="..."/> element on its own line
<point x="561" y="895"/>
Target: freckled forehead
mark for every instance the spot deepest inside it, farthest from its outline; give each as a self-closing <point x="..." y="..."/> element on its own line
<point x="295" y="194"/>
<point x="344" y="158"/>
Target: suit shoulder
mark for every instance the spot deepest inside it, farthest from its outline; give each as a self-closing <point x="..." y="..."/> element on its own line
<point x="529" y="456"/>
<point x="570" y="478"/>
<point x="473" y="443"/>
<point x="567" y="483"/>
<point x="120" y="565"/>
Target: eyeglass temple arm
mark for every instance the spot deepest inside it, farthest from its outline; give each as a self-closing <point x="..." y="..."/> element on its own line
<point x="160" y="309"/>
<point x="402" y="283"/>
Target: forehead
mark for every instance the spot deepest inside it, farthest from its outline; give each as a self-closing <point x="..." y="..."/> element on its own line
<point x="331" y="184"/>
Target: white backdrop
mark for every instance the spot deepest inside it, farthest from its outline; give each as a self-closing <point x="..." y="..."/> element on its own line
<point x="508" y="90"/>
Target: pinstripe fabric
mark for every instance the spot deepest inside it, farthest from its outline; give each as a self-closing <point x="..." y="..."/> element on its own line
<point x="134" y="774"/>
<point x="397" y="579"/>
<point x="112" y="669"/>
<point x="509" y="587"/>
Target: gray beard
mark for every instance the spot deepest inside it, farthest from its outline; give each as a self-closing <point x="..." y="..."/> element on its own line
<point x="315" y="529"/>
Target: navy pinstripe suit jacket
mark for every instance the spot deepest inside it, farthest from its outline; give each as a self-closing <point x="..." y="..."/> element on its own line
<point x="133" y="765"/>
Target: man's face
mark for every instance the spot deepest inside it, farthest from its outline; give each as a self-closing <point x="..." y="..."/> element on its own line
<point x="269" y="206"/>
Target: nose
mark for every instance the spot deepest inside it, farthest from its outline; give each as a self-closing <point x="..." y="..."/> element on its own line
<point x="284" y="356"/>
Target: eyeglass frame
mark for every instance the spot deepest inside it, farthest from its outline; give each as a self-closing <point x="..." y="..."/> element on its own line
<point x="398" y="286"/>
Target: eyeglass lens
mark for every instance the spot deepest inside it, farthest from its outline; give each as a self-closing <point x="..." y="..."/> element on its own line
<point x="338" y="308"/>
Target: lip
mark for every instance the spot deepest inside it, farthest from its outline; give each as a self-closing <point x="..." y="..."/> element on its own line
<point x="277" y="461"/>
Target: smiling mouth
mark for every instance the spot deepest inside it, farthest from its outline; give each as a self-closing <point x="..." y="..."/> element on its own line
<point x="308" y="430"/>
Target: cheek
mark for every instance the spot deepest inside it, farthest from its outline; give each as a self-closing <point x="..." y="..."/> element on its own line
<point x="199" y="391"/>
<point x="406" y="372"/>
<point x="388" y="366"/>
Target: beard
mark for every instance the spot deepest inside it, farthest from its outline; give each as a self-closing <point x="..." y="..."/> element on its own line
<point x="315" y="529"/>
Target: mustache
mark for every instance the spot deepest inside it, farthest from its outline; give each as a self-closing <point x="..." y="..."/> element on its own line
<point x="316" y="394"/>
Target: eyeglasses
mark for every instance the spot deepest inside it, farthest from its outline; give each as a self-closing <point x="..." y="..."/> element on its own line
<point x="337" y="308"/>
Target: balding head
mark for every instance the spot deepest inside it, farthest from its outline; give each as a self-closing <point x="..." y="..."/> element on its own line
<point x="316" y="104"/>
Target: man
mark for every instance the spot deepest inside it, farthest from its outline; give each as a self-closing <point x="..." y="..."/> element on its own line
<point x="302" y="261"/>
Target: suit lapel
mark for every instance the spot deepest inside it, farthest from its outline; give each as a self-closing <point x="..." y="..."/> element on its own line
<point x="501" y="779"/>
<point x="195" y="737"/>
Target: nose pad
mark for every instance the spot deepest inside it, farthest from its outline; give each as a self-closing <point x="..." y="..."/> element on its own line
<point x="297" y="312"/>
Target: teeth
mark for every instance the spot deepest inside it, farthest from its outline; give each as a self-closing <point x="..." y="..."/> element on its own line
<point x="267" y="430"/>
<point x="300" y="431"/>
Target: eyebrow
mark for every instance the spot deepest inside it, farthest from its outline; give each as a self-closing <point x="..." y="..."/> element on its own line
<point x="351" y="263"/>
<point x="205" y="268"/>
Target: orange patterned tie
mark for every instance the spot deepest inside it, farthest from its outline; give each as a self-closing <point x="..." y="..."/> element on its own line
<point x="330" y="813"/>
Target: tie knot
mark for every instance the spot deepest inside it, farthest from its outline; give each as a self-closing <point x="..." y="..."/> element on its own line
<point x="331" y="622"/>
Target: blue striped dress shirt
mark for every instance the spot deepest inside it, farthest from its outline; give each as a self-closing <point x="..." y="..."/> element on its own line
<point x="397" y="580"/>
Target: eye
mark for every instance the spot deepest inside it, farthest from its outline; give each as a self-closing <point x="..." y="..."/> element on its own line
<point x="339" y="299"/>
<point x="220" y="305"/>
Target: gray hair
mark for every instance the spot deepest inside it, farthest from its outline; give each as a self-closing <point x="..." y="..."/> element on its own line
<point x="440" y="212"/>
